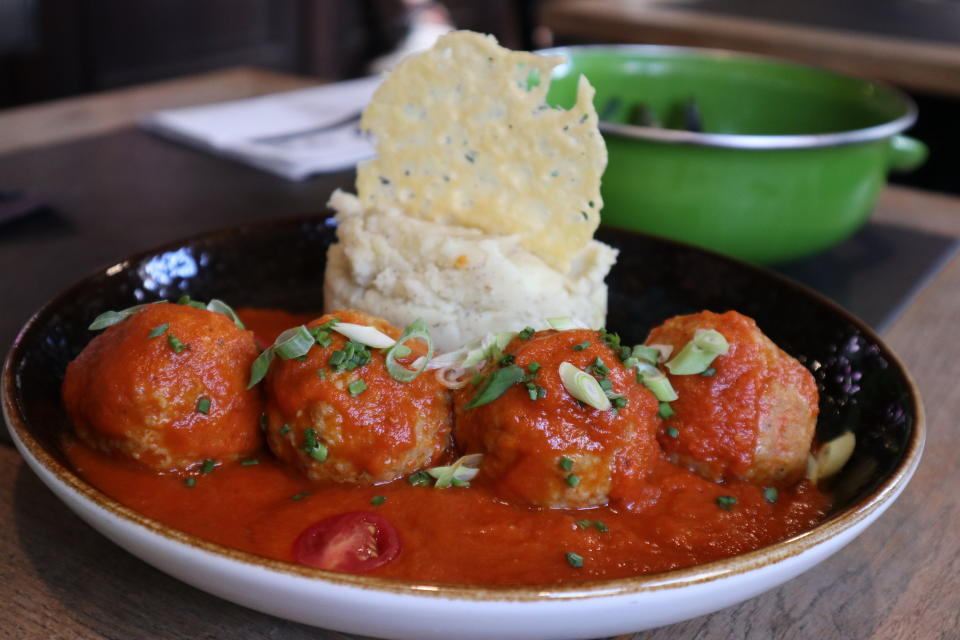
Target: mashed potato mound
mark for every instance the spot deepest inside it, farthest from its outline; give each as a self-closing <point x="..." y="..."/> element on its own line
<point x="461" y="281"/>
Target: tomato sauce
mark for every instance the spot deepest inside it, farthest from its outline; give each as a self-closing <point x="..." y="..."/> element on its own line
<point x="464" y="535"/>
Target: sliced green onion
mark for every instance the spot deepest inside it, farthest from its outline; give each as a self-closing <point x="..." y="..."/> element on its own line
<point x="293" y="343"/>
<point x="602" y="528"/>
<point x="260" y="366"/>
<point x="175" y="344"/>
<point x="219" y="306"/>
<point x="158" y="330"/>
<point x="665" y="410"/>
<point x="203" y="405"/>
<point x="726" y="502"/>
<point x="697" y="355"/>
<point x="573" y="479"/>
<point x="645" y="353"/>
<point x="583" y="386"/>
<point x="618" y="402"/>
<point x="583" y="524"/>
<point x="507" y="360"/>
<point x="527" y="333"/>
<point x="497" y="384"/>
<point x="299" y="496"/>
<point x="706" y="373"/>
<point x="460" y="473"/>
<point x="664" y="349"/>
<point x="564" y="323"/>
<point x="581" y="346"/>
<point x="770" y="494"/>
<point x="566" y="463"/>
<point x="357" y="387"/>
<point x="416" y="329"/>
<point x="598" y="368"/>
<point x="575" y="560"/>
<point x="208" y="466"/>
<point x="378" y="500"/>
<point x="189" y="302"/>
<point x="657" y="381"/>
<point x="190" y="482"/>
<point x="285" y="429"/>
<point x="110" y="318"/>
<point x="673" y="432"/>
<point x="533" y="367"/>
<point x="370" y="336"/>
<point x="249" y="463"/>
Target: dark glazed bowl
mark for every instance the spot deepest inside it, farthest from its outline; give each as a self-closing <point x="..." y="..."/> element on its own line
<point x="280" y="264"/>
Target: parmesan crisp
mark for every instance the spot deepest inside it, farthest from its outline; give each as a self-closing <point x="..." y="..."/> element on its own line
<point x="464" y="136"/>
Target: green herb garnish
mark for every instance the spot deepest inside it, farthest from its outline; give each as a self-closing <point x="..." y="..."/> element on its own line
<point x="419" y="479"/>
<point x="203" y="405"/>
<point x="249" y="463"/>
<point x="574" y="560"/>
<point x="175" y="343"/>
<point x="526" y="333"/>
<point x="770" y="494"/>
<point x="208" y="466"/>
<point x="285" y="429"/>
<point x="496" y="385"/>
<point x="299" y="496"/>
<point x="573" y="480"/>
<point x="581" y="346"/>
<point x="566" y="463"/>
<point x="158" y="330"/>
<point x="190" y="482"/>
<point x="673" y="432"/>
<point x="726" y="502"/>
<point x="357" y="387"/>
<point x="378" y="500"/>
<point x="314" y="448"/>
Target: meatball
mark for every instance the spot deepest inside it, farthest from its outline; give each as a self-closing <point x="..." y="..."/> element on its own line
<point x="355" y="425"/>
<point x="753" y="418"/>
<point x="548" y="449"/>
<point x="167" y="387"/>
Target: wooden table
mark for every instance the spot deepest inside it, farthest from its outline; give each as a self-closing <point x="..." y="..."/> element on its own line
<point x="910" y="63"/>
<point x="124" y="191"/>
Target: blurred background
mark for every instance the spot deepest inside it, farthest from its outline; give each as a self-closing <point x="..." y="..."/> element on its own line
<point x="53" y="49"/>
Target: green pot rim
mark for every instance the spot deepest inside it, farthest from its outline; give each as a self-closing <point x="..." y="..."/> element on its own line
<point x="746" y="141"/>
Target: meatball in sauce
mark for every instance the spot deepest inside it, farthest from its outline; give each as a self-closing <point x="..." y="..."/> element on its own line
<point x="167" y="387"/>
<point x="751" y="416"/>
<point x="548" y="449"/>
<point x="354" y="424"/>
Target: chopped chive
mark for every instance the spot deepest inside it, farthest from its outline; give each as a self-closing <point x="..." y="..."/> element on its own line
<point x="527" y="333"/>
<point x="377" y="500"/>
<point x="314" y="448"/>
<point x="581" y="346"/>
<point x="190" y="482"/>
<point x="419" y="479"/>
<point x="533" y="367"/>
<point x="606" y="384"/>
<point x="726" y="502"/>
<point x="203" y="405"/>
<point x="175" y="343"/>
<point x="284" y="429"/>
<point x="566" y="463"/>
<point x="598" y="368"/>
<point x="249" y="463"/>
<point x="208" y="466"/>
<point x="619" y="402"/>
<point x="357" y="387"/>
<point x="574" y="560"/>
<point x="708" y="372"/>
<point x="665" y="410"/>
<point x="573" y="479"/>
<point x="507" y="360"/>
<point x="770" y="494"/>
<point x="299" y="496"/>
<point x="673" y="432"/>
<point x="321" y="374"/>
<point x="583" y="524"/>
<point x="158" y="330"/>
<point x="602" y="528"/>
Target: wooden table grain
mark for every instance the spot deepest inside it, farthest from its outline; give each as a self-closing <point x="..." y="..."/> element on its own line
<point x="60" y="579"/>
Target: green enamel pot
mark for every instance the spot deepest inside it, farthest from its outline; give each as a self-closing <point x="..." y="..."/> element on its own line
<point x="758" y="158"/>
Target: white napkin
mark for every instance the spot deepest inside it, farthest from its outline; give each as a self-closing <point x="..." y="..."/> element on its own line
<point x="293" y="134"/>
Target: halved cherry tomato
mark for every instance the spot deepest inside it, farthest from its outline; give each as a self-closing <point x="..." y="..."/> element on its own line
<point x="354" y="542"/>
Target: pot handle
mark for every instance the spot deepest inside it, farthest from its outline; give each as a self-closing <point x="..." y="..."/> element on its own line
<point x="906" y="153"/>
